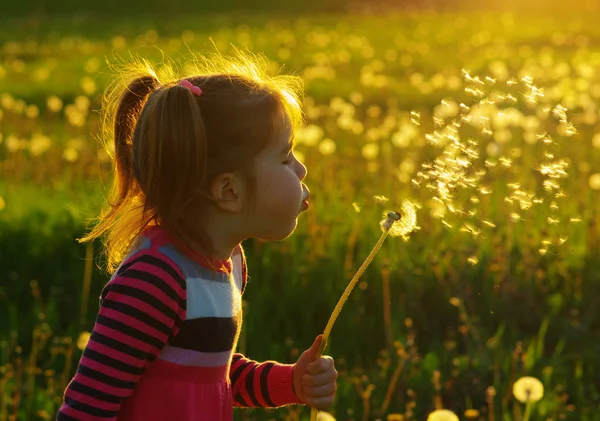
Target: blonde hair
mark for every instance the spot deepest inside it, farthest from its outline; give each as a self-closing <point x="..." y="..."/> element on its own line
<point x="169" y="143"/>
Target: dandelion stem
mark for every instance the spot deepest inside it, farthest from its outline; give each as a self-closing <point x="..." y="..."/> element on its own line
<point x="344" y="297"/>
<point x="527" y="411"/>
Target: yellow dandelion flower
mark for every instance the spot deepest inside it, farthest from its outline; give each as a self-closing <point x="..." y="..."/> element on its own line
<point x="39" y="144"/>
<point x="471" y="414"/>
<point x="88" y="85"/>
<point x="594" y="181"/>
<point x="370" y="151"/>
<point x="327" y="147"/>
<point x="442" y="415"/>
<point x="43" y="415"/>
<point x="455" y="301"/>
<point x="54" y="104"/>
<point x="32" y="111"/>
<point x="528" y="389"/>
<point x="83" y="339"/>
<point x="71" y="155"/>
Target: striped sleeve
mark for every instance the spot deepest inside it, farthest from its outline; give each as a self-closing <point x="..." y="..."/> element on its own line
<point x="141" y="308"/>
<point x="267" y="384"/>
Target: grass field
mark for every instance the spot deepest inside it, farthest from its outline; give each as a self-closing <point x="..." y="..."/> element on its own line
<point x="499" y="282"/>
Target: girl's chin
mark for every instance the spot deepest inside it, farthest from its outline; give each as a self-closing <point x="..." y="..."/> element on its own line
<point x="280" y="234"/>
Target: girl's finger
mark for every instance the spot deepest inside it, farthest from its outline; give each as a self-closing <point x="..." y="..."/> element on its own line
<point x="319" y="379"/>
<point x="320" y="365"/>
<point x="320" y="391"/>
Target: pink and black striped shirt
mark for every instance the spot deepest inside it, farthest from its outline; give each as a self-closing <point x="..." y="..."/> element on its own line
<point x="163" y="343"/>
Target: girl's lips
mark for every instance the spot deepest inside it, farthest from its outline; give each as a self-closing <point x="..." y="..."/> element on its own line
<point x="305" y="203"/>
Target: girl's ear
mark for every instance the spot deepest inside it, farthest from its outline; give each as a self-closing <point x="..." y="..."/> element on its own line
<point x="227" y="192"/>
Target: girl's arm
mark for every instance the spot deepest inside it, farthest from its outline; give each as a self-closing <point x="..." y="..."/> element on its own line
<point x="254" y="384"/>
<point x="140" y="310"/>
<point x="267" y="384"/>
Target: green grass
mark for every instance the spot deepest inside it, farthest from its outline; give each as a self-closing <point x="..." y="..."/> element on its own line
<point x="519" y="312"/>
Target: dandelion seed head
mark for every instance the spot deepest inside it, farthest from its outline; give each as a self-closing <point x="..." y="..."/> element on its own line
<point x="442" y="415"/>
<point x="528" y="389"/>
<point x="403" y="222"/>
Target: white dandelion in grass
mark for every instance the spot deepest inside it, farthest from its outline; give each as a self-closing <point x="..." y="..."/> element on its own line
<point x="528" y="390"/>
<point x="442" y="415"/>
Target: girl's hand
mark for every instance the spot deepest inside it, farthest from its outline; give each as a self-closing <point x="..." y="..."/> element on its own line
<point x="315" y="378"/>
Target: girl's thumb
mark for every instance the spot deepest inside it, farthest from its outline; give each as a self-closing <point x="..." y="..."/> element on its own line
<point x="313" y="351"/>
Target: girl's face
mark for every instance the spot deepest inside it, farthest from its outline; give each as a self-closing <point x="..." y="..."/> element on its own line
<point x="280" y="194"/>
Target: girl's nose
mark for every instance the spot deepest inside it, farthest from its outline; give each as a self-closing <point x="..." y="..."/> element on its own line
<point x="301" y="170"/>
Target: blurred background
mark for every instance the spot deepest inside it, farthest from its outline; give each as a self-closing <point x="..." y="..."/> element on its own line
<point x="484" y="114"/>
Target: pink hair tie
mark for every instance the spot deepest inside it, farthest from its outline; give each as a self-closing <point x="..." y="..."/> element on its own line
<point x="193" y="88"/>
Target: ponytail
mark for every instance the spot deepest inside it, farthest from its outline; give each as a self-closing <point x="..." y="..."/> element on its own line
<point x="170" y="158"/>
<point x="122" y="106"/>
<point x="126" y="116"/>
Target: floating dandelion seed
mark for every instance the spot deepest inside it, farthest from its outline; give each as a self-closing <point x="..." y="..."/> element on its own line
<point x="473" y="260"/>
<point x="455" y="175"/>
<point x="415" y="118"/>
<point x="356" y="207"/>
<point x="381" y="199"/>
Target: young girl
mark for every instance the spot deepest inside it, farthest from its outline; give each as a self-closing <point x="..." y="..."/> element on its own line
<point x="202" y="163"/>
